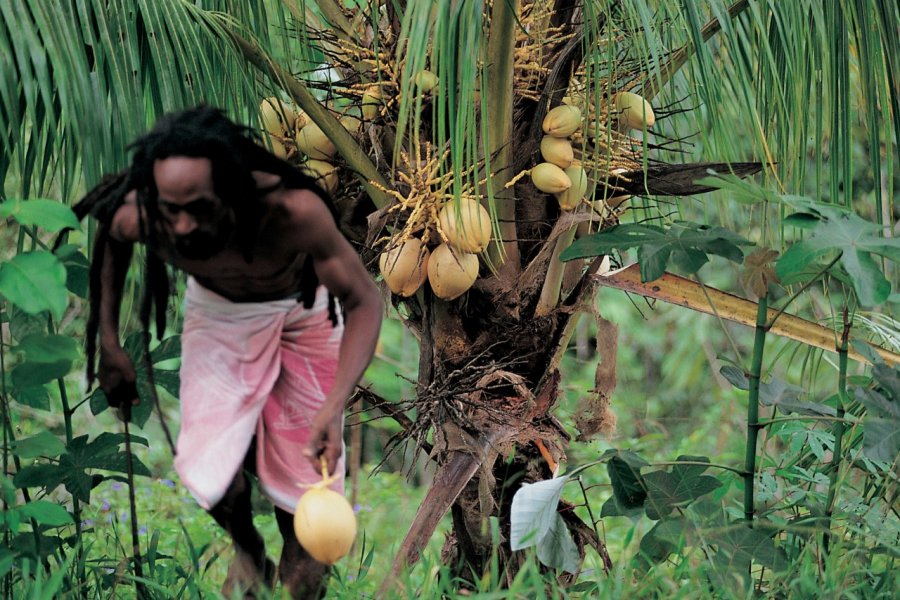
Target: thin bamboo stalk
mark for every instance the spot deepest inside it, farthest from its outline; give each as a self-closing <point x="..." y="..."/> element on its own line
<point x="839" y="429"/>
<point x="753" y="426"/>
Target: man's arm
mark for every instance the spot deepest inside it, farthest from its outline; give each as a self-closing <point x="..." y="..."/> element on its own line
<point x="341" y="271"/>
<point x="116" y="370"/>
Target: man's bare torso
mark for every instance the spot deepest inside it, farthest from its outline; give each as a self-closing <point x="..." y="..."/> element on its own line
<point x="276" y="267"/>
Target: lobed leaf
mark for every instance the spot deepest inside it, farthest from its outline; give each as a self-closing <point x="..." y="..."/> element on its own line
<point x="685" y="245"/>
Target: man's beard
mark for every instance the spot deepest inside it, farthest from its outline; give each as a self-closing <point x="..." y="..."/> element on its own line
<point x="201" y="245"/>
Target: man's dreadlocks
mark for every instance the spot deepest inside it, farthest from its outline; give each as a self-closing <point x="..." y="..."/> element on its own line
<point x="234" y="151"/>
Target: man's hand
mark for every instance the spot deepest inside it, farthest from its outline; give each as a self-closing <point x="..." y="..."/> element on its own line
<point x="117" y="380"/>
<point x="325" y="439"/>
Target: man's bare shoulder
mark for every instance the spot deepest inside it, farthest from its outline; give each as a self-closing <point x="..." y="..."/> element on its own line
<point x="125" y="226"/>
<point x="300" y="207"/>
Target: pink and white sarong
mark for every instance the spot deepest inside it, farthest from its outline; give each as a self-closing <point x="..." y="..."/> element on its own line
<point x="254" y="368"/>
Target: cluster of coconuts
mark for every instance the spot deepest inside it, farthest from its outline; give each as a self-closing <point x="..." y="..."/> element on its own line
<point x="290" y="127"/>
<point x="452" y="266"/>
<point x="560" y="174"/>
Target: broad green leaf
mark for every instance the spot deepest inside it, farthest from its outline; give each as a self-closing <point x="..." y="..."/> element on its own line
<point x="167" y="379"/>
<point x="611" y="508"/>
<point x="35" y="396"/>
<point x="7" y="490"/>
<point x="77" y="269"/>
<point x="777" y="393"/>
<point x="881" y="424"/>
<point x="663" y="539"/>
<point x="881" y="439"/>
<point x="97" y="401"/>
<point x="29" y="374"/>
<point x="101" y="453"/>
<point x="739" y="546"/>
<point x="7" y="560"/>
<point x="43" y="444"/>
<point x="49" y="215"/>
<point x="801" y="221"/>
<point x="76" y="481"/>
<point x="625" y="475"/>
<point x="888" y="379"/>
<point x="877" y="403"/>
<point x="533" y="511"/>
<point x="46" y="348"/>
<point x="23" y="324"/>
<point x="167" y="349"/>
<point x="667" y="491"/>
<point x="41" y="475"/>
<point x="35" y="282"/>
<point x="10" y="520"/>
<point x="685" y="245"/>
<point x="557" y="549"/>
<point x="840" y="231"/>
<point x="46" y="513"/>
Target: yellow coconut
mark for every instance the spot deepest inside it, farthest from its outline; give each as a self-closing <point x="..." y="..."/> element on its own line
<point x="371" y="102"/>
<point x="572" y="197"/>
<point x="562" y="121"/>
<point x="277" y="116"/>
<point x="557" y="151"/>
<point x="324" y="523"/>
<point x="325" y="174"/>
<point x="351" y="123"/>
<point x="451" y="272"/>
<point x="467" y="225"/>
<point x="616" y="201"/>
<point x="634" y="111"/>
<point x="549" y="178"/>
<point x="575" y="99"/>
<point x="405" y="266"/>
<point x="301" y="119"/>
<point x="426" y="81"/>
<point x="278" y="147"/>
<point x="312" y="142"/>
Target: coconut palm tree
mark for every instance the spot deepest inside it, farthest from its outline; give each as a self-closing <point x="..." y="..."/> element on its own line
<point x="424" y="107"/>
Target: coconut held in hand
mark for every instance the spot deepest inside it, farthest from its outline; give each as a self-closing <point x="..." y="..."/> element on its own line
<point x="324" y="522"/>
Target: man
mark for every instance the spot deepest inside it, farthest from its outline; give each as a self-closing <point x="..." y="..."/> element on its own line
<point x="268" y="363"/>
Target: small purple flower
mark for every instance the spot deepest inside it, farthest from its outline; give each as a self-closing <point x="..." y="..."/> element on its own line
<point x="357" y="508"/>
<point x="142" y="530"/>
<point x="350" y="577"/>
<point x="168" y="483"/>
<point x="105" y="506"/>
<point x="87" y="523"/>
<point x="117" y="485"/>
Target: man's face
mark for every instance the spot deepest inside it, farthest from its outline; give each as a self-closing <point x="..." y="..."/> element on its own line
<point x="198" y="223"/>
